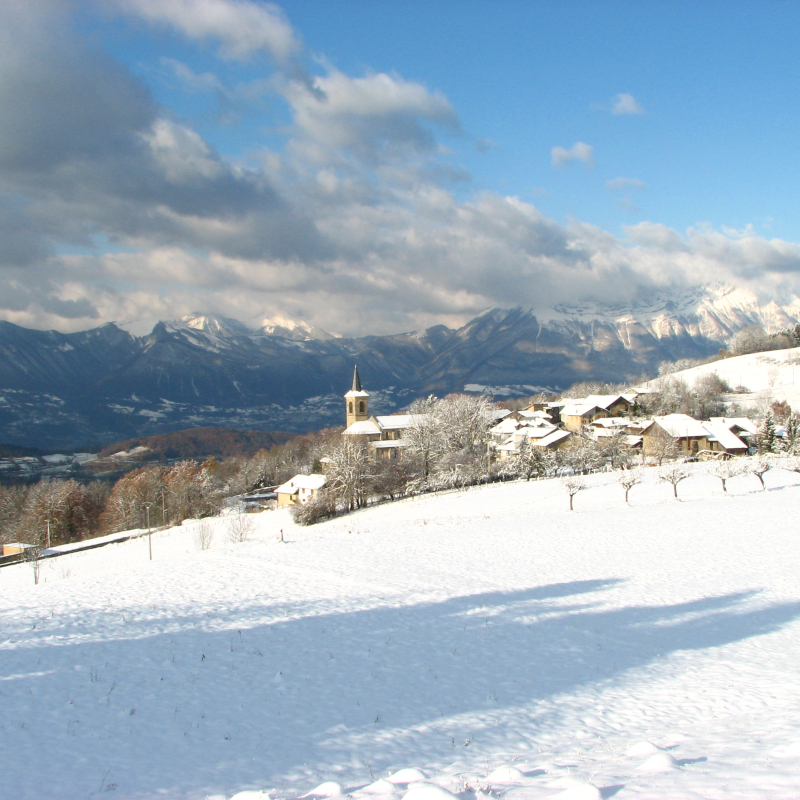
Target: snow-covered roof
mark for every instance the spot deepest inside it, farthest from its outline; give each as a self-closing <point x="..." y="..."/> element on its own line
<point x="389" y="444"/>
<point x="681" y="425"/>
<point x="552" y="438"/>
<point x="363" y="428"/>
<point x="398" y="422"/>
<point x="724" y="435"/>
<point x="505" y="427"/>
<point x="353" y="393"/>
<point x="578" y="409"/>
<point x="525" y="414"/>
<point x="293" y="485"/>
<point x="605" y="401"/>
<point x="744" y="423"/>
<point x="499" y="413"/>
<point x="611" y="422"/>
<point x="535" y="431"/>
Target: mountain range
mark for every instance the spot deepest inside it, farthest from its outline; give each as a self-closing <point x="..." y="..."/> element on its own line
<point x="65" y="390"/>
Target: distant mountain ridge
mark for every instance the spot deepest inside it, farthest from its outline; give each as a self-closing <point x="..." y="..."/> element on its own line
<point x="102" y="385"/>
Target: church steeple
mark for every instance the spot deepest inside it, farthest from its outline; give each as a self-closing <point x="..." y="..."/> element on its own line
<point x="356" y="401"/>
<point x="356" y="387"/>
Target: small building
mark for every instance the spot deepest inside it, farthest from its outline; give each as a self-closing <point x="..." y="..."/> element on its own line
<point x="300" y="489"/>
<point x="15" y="548"/>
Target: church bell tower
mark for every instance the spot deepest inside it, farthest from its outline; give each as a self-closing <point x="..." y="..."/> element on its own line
<point x="356" y="401"/>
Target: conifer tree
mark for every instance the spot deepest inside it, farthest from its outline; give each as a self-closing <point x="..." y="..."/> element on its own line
<point x="767" y="438"/>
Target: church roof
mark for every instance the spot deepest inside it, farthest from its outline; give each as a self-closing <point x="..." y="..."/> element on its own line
<point x="355" y="389"/>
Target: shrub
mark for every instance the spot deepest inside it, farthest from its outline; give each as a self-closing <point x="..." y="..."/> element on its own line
<point x="321" y="506"/>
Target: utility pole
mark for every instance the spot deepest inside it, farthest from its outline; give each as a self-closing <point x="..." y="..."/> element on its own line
<point x="149" y="532"/>
<point x="48" y="532"/>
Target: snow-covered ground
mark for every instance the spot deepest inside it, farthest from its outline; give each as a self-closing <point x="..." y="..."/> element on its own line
<point x="767" y="377"/>
<point x="649" y="651"/>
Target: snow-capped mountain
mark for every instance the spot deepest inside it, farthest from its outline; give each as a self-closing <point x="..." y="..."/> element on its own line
<point x="66" y="390"/>
<point x="292" y="329"/>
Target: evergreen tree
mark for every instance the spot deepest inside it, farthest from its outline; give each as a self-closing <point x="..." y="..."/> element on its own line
<point x="793" y="434"/>
<point x="767" y="438"/>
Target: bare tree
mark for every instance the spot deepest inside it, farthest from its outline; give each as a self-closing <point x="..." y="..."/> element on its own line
<point x="673" y="474"/>
<point x="573" y="484"/>
<point x="240" y="526"/>
<point x="348" y="472"/>
<point x="627" y="479"/>
<point x="724" y="471"/>
<point x="663" y="447"/>
<point x="32" y="556"/>
<point x="203" y="535"/>
<point x="760" y="466"/>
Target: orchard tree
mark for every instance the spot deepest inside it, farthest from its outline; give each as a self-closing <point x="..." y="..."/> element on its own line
<point x="627" y="479"/>
<point x="573" y="484"/>
<point x="673" y="474"/>
<point x="724" y="470"/>
<point x="759" y="467"/>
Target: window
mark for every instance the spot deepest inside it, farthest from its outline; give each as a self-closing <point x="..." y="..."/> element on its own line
<point x="350" y="408"/>
<point x="361" y="407"/>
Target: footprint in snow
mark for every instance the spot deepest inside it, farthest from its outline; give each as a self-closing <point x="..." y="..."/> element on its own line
<point x="786" y="750"/>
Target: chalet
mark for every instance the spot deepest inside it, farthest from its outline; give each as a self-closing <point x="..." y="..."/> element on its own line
<point x="577" y="413"/>
<point x="300" y="489"/>
<point x="690" y="436"/>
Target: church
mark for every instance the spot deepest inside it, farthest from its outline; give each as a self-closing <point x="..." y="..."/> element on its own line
<point x="385" y="434"/>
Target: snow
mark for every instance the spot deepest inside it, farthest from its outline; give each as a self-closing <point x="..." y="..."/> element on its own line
<point x="767" y="377"/>
<point x="489" y="639"/>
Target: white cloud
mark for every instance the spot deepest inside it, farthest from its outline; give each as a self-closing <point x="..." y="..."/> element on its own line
<point x="621" y="184"/>
<point x="243" y="28"/>
<point x="626" y="104"/>
<point x="376" y="118"/>
<point x="355" y="227"/>
<point x="580" y="151"/>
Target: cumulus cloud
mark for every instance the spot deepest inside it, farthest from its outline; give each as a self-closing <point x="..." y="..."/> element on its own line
<point x="242" y="28"/>
<point x="626" y="104"/>
<point x="377" y="118"/>
<point x="110" y="209"/>
<point x="580" y="151"/>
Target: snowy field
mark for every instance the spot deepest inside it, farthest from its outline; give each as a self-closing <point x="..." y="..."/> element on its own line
<point x="491" y="639"/>
<point x="770" y="376"/>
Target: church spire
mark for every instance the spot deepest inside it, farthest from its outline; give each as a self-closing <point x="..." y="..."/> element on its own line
<point x="356" y="387"/>
<point x="356" y="401"/>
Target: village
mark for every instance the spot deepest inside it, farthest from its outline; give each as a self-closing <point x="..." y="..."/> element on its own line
<point x="573" y="434"/>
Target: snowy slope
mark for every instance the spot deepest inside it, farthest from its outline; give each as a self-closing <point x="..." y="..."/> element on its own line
<point x="454" y="634"/>
<point x="767" y="377"/>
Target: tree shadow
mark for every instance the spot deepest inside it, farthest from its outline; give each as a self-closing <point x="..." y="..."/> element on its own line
<point x="284" y="691"/>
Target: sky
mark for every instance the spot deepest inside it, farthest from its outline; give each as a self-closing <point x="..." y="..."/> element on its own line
<point x="372" y="168"/>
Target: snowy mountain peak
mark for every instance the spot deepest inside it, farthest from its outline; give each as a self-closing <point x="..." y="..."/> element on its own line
<point x="715" y="312"/>
<point x="292" y="329"/>
<point x="211" y="323"/>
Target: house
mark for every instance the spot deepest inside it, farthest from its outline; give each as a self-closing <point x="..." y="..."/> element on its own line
<point x="300" y="489"/>
<point x="549" y="438"/>
<point x="690" y="436"/>
<point x="576" y="414"/>
<point x="678" y="433"/>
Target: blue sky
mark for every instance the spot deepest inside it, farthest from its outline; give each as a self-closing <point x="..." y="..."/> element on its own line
<point x="383" y="166"/>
